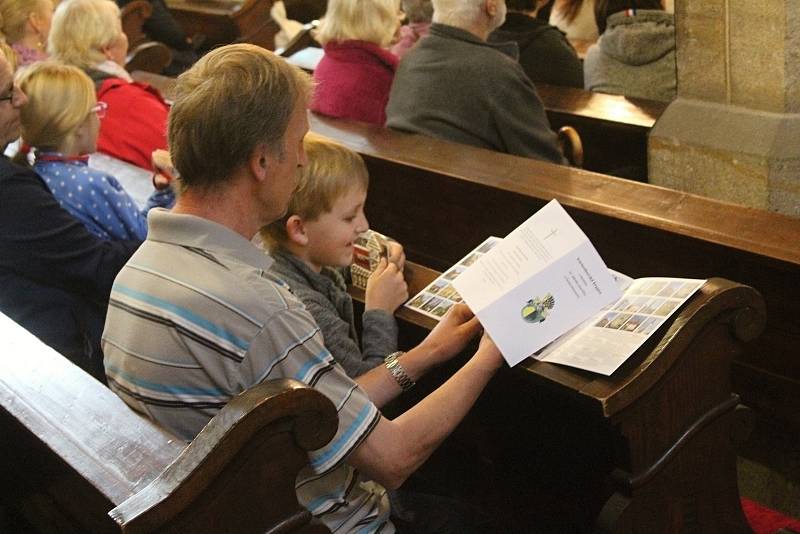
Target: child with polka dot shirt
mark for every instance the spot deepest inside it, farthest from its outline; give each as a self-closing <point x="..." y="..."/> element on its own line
<point x="60" y="124"/>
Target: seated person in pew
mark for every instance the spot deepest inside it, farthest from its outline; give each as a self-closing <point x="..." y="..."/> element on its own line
<point x="55" y="275"/>
<point x="88" y="34"/>
<point x="454" y="85"/>
<point x="161" y="26"/>
<point x="635" y="54"/>
<point x="355" y="74"/>
<point x="314" y="241"/>
<point x="25" y="24"/>
<point x="195" y="317"/>
<point x="59" y="129"/>
<point x="418" y="15"/>
<point x="544" y="52"/>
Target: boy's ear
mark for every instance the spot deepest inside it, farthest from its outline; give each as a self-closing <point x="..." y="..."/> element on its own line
<point x="296" y="230"/>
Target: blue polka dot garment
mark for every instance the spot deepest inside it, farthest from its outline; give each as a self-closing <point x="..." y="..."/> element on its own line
<point x="98" y="200"/>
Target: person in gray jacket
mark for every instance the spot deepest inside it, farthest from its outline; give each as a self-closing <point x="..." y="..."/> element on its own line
<point x="635" y="55"/>
<point x="454" y="85"/>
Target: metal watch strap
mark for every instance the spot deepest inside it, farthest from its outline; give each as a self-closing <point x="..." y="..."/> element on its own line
<point x="401" y="377"/>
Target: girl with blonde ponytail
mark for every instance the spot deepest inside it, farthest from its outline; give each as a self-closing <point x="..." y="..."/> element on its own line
<point x="60" y="124"/>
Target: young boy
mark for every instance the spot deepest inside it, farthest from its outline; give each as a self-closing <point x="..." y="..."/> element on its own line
<point x="313" y="244"/>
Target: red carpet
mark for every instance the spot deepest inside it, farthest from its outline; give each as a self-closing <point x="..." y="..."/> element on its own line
<point x="766" y="521"/>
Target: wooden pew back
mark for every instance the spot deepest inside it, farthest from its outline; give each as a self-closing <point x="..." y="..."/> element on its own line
<point x="441" y="199"/>
<point x="73" y="451"/>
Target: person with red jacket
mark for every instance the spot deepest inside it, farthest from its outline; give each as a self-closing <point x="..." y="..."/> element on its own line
<point x="88" y="34"/>
<point x="356" y="73"/>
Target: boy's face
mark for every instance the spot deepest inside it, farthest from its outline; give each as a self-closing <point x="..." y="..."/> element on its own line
<point x="332" y="234"/>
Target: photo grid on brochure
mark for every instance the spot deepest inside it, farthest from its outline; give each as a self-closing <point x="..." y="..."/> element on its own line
<point x="440" y="295"/>
<point x="601" y="343"/>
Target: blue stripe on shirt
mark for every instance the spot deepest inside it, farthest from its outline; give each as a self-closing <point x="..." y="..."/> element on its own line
<point x="322" y="358"/>
<point x="184" y="313"/>
<point x="335" y="446"/>
<point x="164" y="388"/>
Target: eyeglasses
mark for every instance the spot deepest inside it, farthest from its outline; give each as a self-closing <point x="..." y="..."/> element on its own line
<point x="100" y="109"/>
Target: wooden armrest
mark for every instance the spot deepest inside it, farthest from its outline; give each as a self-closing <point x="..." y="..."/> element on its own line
<point x="304" y="39"/>
<point x="133" y="17"/>
<point x="245" y="462"/>
<point x="150" y="56"/>
<point x="571" y="145"/>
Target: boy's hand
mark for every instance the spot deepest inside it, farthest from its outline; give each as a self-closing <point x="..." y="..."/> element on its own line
<point x="458" y="326"/>
<point x="165" y="173"/>
<point x="395" y="254"/>
<point x="386" y="288"/>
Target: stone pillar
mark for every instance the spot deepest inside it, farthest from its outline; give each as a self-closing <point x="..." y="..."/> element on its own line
<point x="733" y="133"/>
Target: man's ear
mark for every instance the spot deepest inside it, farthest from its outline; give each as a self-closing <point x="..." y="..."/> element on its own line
<point x="259" y="162"/>
<point x="491" y="8"/>
<point x="296" y="230"/>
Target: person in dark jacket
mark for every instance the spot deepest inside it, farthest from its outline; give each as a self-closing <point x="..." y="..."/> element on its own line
<point x="56" y="276"/>
<point x="456" y="86"/>
<point x="544" y="52"/>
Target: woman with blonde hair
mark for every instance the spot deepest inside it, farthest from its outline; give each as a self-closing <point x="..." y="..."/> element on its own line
<point x="88" y="34"/>
<point x="25" y="24"/>
<point x="355" y="74"/>
<point x="60" y="124"/>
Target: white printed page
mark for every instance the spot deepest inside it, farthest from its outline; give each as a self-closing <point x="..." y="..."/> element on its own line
<point x="546" y="236"/>
<point x="542" y="280"/>
<point x="614" y="334"/>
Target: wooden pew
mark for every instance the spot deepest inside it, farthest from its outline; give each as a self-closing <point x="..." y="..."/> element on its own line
<point x="614" y="129"/>
<point x="227" y="21"/>
<point x="77" y="459"/>
<point x="441" y="199"/>
<point x="649" y="449"/>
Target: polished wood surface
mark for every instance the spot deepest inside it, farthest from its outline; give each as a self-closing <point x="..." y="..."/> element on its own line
<point x="573" y="451"/>
<point x="73" y="451"/>
<point x="227" y="21"/>
<point x="614" y="128"/>
<point x="441" y="199"/>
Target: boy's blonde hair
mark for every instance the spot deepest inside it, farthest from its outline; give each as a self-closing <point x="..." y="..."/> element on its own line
<point x="374" y="21"/>
<point x="81" y="29"/>
<point x="332" y="171"/>
<point x="60" y="97"/>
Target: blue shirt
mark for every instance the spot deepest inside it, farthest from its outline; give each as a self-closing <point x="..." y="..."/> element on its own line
<point x="98" y="200"/>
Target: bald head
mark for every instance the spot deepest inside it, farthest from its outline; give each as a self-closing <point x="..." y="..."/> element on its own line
<point x="479" y="17"/>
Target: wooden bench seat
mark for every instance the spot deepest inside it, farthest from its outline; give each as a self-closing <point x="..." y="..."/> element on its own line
<point x="442" y="199"/>
<point x="78" y="459"/>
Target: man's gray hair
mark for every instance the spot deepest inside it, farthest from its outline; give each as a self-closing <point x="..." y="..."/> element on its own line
<point x="458" y="13"/>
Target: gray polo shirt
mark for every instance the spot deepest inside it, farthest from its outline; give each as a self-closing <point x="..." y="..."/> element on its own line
<point x="194" y="320"/>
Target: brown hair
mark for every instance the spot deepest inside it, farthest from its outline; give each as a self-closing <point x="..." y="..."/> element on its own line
<point x="233" y="99"/>
<point x="333" y="170"/>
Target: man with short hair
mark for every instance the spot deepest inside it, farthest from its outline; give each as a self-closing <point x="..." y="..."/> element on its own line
<point x="454" y="85"/>
<point x="55" y="275"/>
<point x="195" y="318"/>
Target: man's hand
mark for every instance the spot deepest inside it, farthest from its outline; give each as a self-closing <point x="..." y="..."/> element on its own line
<point x="458" y="326"/>
<point x="386" y="288"/>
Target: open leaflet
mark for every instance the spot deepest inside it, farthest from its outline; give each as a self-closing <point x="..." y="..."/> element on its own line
<point x="545" y="280"/>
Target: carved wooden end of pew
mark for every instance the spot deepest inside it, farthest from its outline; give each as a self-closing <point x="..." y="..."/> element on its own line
<point x="238" y="474"/>
<point x="680" y="421"/>
<point x="73" y="451"/>
<point x="650" y="448"/>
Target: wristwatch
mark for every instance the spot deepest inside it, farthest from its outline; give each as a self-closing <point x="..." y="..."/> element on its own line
<point x="401" y="377"/>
